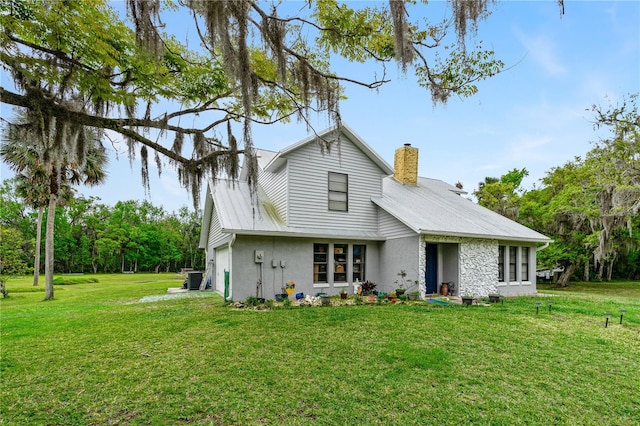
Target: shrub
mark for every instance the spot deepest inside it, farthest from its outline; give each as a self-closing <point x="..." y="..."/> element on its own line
<point x="73" y="280"/>
<point x="252" y="301"/>
<point x="368" y="288"/>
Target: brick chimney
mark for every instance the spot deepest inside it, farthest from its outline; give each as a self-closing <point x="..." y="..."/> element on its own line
<point x="405" y="165"/>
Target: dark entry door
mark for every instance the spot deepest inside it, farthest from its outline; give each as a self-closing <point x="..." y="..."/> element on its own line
<point x="431" y="274"/>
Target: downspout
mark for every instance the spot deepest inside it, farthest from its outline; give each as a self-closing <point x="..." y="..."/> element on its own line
<point x="538" y="249"/>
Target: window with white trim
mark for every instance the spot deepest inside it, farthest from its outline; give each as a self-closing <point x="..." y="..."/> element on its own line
<point x="524" y="263"/>
<point x="320" y="263"/>
<point x="359" y="259"/>
<point x="338" y="264"/>
<point x="501" y="263"/>
<point x="340" y="255"/>
<point x="513" y="262"/>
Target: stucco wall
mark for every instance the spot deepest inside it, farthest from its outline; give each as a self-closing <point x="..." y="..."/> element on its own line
<point x="396" y="255"/>
<point x="297" y="255"/>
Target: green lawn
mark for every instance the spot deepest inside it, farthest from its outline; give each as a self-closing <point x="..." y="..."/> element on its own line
<point x="95" y="355"/>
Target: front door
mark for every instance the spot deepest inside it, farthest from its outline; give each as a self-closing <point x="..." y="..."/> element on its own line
<point x="431" y="274"/>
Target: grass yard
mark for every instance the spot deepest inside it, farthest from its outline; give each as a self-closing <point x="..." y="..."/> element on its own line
<point x="97" y="355"/>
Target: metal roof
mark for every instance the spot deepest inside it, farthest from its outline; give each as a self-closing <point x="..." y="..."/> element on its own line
<point x="433" y="207"/>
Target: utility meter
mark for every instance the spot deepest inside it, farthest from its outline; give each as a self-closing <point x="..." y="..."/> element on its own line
<point x="259" y="256"/>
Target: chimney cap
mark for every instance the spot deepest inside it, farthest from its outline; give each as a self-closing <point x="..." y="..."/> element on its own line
<point x="407" y="144"/>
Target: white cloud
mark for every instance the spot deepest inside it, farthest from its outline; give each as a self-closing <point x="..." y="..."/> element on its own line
<point x="529" y="147"/>
<point x="170" y="184"/>
<point x="543" y="51"/>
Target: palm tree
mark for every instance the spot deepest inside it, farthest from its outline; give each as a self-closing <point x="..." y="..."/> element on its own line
<point x="51" y="159"/>
<point x="31" y="184"/>
<point x="32" y="189"/>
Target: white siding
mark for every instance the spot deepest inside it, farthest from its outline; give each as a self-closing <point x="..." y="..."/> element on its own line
<point x="275" y="186"/>
<point x="215" y="232"/>
<point x="308" y="187"/>
<point x="391" y="227"/>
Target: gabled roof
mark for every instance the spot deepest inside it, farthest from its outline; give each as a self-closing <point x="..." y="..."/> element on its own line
<point x="433" y="207"/>
<point x="237" y="213"/>
<point x="278" y="160"/>
<point x="264" y="156"/>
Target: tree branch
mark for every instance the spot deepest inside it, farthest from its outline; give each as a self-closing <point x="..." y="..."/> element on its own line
<point x="116" y="124"/>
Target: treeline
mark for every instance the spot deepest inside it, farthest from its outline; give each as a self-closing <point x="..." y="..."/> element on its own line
<point x="94" y="237"/>
<point x="590" y="206"/>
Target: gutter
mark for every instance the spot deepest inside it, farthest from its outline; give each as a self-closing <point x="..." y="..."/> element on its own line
<point x="544" y="246"/>
<point x="486" y="236"/>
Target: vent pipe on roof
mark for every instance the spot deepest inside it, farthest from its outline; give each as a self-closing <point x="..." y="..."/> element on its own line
<point x="405" y="165"/>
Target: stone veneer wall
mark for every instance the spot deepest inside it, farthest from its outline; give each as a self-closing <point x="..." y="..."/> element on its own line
<point x="477" y="265"/>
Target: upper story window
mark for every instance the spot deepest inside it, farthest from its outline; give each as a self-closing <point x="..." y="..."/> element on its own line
<point x="338" y="191"/>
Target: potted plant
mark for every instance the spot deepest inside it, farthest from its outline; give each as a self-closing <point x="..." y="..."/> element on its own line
<point x="368" y="288"/>
<point x="343" y="293"/>
<point x="467" y="299"/>
<point x="444" y="289"/>
<point x="414" y="295"/>
<point x="494" y="298"/>
<point x="403" y="283"/>
<point x="325" y="299"/>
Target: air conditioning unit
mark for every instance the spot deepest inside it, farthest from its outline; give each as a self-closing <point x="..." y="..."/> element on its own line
<point x="193" y="280"/>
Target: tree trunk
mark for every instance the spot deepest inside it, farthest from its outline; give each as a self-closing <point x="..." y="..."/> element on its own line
<point x="610" y="271"/>
<point x="586" y="271"/>
<point x="48" y="248"/>
<point x="563" y="281"/>
<point x="94" y="262"/>
<point x="36" y="262"/>
<point x="600" y="269"/>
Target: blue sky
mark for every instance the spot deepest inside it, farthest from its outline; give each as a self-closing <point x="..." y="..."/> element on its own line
<point x="534" y="115"/>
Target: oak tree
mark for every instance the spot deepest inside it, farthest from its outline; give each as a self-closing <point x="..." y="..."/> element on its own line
<point x="79" y="63"/>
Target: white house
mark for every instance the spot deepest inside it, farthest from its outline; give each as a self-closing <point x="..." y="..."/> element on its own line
<point x="325" y="220"/>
